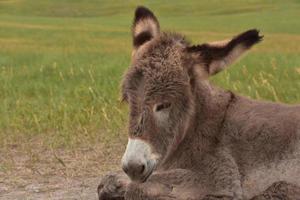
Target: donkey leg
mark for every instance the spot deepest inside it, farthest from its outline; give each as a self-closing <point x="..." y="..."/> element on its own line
<point x="149" y="191"/>
<point x="113" y="186"/>
<point x="226" y="180"/>
<point x="280" y="191"/>
<point x="117" y="186"/>
<point x="174" y="184"/>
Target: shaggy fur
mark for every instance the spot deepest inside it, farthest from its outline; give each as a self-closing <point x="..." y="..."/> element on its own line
<point x="216" y="144"/>
<point x="179" y="184"/>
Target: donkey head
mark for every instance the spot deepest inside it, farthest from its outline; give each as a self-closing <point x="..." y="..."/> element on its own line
<point x="159" y="88"/>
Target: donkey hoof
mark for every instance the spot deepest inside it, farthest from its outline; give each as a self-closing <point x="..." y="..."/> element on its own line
<point x="112" y="187"/>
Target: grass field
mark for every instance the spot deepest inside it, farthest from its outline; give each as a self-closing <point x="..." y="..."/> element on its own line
<point x="61" y="62"/>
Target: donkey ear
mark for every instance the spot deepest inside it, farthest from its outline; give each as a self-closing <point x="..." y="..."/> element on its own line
<point x="218" y="55"/>
<point x="145" y="26"/>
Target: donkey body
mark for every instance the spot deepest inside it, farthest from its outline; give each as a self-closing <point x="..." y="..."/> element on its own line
<point x="227" y="145"/>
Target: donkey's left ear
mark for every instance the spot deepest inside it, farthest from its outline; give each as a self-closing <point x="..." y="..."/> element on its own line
<point x="145" y="26"/>
<point x="218" y="55"/>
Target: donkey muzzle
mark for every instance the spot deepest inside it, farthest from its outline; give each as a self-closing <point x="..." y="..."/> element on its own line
<point x="138" y="161"/>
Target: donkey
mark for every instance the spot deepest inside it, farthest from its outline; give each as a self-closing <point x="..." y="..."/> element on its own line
<point x="227" y="145"/>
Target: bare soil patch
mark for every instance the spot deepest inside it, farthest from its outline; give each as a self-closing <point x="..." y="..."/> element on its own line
<point x="36" y="172"/>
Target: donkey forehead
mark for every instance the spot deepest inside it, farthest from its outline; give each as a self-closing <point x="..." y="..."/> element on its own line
<point x="161" y="65"/>
<point x="158" y="84"/>
<point x="157" y="66"/>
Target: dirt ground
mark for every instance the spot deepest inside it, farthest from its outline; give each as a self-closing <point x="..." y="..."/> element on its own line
<point x="40" y="173"/>
<point x="53" y="188"/>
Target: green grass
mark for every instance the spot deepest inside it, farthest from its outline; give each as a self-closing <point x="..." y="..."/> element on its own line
<point x="61" y="61"/>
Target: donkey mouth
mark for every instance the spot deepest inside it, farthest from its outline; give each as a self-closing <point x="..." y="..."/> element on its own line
<point x="145" y="178"/>
<point x="148" y="173"/>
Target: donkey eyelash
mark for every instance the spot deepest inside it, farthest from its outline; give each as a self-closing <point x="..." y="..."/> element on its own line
<point x="162" y="106"/>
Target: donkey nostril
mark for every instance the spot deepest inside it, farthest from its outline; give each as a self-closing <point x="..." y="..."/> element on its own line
<point x="125" y="168"/>
<point x="142" y="168"/>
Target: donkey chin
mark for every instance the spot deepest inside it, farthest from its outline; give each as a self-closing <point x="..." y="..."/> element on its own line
<point x="139" y="161"/>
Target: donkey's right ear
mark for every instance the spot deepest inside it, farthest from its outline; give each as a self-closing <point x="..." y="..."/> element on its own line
<point x="145" y="26"/>
<point x="217" y="56"/>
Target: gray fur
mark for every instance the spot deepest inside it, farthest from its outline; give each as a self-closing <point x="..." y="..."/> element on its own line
<point x="179" y="184"/>
<point x="232" y="145"/>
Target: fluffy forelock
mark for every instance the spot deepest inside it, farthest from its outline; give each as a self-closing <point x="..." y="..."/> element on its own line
<point x="161" y="63"/>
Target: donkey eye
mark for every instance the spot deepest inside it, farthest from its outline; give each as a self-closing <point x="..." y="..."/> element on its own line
<point x="162" y="106"/>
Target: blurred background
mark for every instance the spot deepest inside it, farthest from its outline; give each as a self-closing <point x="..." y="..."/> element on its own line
<point x="62" y="124"/>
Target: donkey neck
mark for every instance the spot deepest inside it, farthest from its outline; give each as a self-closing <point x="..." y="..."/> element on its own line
<point x="210" y="112"/>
